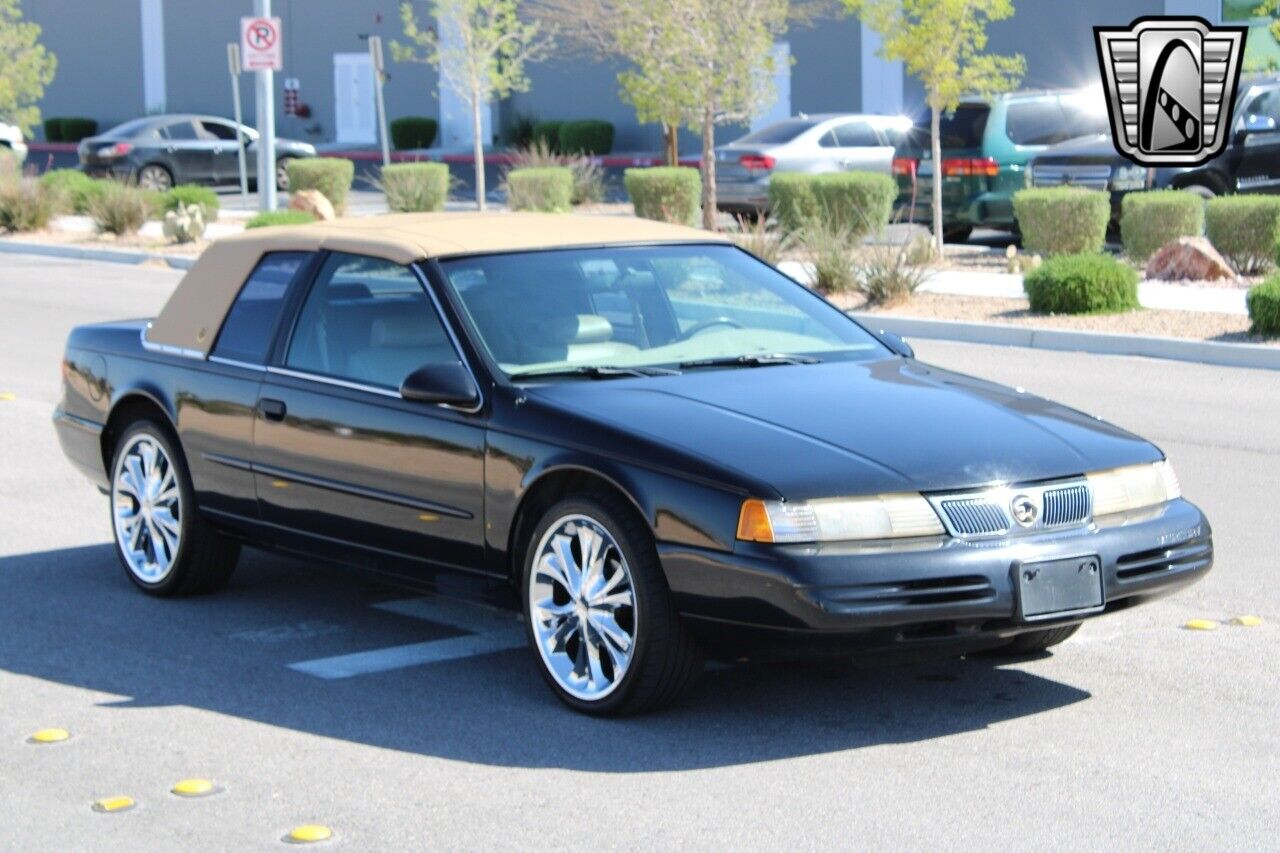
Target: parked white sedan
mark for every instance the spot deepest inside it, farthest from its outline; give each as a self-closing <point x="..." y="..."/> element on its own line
<point x="831" y="142"/>
<point x="11" y="138"/>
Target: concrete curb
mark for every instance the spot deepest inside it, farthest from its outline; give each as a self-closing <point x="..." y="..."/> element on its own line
<point x="1177" y="349"/>
<point x="82" y="253"/>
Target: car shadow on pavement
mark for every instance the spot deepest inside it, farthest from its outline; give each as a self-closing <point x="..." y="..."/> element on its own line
<point x="71" y="616"/>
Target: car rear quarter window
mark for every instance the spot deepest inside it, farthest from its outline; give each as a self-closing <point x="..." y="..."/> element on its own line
<point x="250" y="325"/>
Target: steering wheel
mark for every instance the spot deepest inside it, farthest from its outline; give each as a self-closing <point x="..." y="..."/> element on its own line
<point x="696" y="328"/>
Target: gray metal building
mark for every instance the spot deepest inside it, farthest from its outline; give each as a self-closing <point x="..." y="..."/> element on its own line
<point x="121" y="58"/>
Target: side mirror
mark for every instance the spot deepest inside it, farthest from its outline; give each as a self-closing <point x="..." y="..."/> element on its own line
<point x="897" y="344"/>
<point x="448" y="383"/>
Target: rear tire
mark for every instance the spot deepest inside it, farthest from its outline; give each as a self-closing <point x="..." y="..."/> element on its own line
<point x="153" y="176"/>
<point x="599" y="616"/>
<point x="1201" y="190"/>
<point x="166" y="548"/>
<point x="957" y="233"/>
<point x="1037" y="641"/>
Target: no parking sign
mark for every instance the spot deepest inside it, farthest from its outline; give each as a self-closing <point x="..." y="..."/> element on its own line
<point x="260" y="44"/>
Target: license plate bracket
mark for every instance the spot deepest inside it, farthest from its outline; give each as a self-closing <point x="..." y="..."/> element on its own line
<point x="1052" y="588"/>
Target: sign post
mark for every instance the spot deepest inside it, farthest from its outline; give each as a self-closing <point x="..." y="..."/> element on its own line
<point x="375" y="53"/>
<point x="233" y="65"/>
<point x="263" y="53"/>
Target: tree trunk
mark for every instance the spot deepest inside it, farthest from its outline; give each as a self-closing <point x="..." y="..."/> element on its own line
<point x="477" y="146"/>
<point x="671" y="143"/>
<point x="936" y="144"/>
<point x="708" y="171"/>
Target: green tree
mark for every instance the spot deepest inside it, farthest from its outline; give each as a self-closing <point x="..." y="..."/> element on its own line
<point x="1263" y="56"/>
<point x="941" y="43"/>
<point x="25" y="70"/>
<point x="697" y="64"/>
<point x="483" y="61"/>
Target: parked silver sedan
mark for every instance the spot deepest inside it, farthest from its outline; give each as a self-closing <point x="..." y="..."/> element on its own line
<point x="830" y="142"/>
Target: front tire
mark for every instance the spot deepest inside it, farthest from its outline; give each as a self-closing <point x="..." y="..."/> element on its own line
<point x="166" y="548"/>
<point x="598" y="613"/>
<point x="282" y="174"/>
<point x="1037" y="641"/>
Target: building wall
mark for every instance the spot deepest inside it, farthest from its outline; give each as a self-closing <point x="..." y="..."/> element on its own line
<point x="99" y="50"/>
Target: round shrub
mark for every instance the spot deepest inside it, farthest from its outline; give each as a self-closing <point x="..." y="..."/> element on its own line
<point x="414" y="187"/>
<point x="412" y="132"/>
<point x="72" y="188"/>
<point x="1264" y="307"/>
<point x="1062" y="220"/>
<point x="792" y="200"/>
<point x="665" y="193"/>
<point x="1153" y="219"/>
<point x="859" y="203"/>
<point x="52" y="129"/>
<point x="180" y="197"/>
<point x="548" y="188"/>
<point x="1245" y="229"/>
<point x="280" y="217"/>
<point x="25" y="204"/>
<point x="330" y="175"/>
<point x="548" y="133"/>
<point x="587" y="136"/>
<point x="76" y="128"/>
<point x="1087" y="283"/>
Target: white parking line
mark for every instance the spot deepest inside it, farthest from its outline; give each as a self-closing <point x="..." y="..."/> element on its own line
<point x="489" y="631"/>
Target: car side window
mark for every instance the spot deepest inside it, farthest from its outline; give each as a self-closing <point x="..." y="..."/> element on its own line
<point x="856" y="134"/>
<point x="1036" y="123"/>
<point x="250" y="324"/>
<point x="1266" y="105"/>
<point x="179" y="131"/>
<point x="218" y="130"/>
<point x="368" y="321"/>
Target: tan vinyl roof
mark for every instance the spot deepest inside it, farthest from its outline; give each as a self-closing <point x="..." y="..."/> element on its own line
<point x="191" y="318"/>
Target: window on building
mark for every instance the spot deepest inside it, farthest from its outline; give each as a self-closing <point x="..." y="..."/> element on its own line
<point x="251" y="323"/>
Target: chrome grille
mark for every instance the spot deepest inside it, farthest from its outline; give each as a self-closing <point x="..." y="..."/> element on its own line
<point x="1095" y="177"/>
<point x="975" y="516"/>
<point x="1069" y="505"/>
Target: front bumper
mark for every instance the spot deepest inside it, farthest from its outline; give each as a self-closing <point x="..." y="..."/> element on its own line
<point x="941" y="590"/>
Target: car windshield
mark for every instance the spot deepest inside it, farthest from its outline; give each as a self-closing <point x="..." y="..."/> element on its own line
<point x="776" y="134"/>
<point x="647" y="307"/>
<point x="130" y="129"/>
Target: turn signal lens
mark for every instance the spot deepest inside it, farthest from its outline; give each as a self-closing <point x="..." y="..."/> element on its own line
<point x="892" y="516"/>
<point x="1133" y="487"/>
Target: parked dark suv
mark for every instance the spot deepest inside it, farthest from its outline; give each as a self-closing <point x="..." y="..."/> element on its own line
<point x="161" y="151"/>
<point x="1249" y="164"/>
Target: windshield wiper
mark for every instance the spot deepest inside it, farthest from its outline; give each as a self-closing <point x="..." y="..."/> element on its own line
<point x="593" y="371"/>
<point x="751" y="360"/>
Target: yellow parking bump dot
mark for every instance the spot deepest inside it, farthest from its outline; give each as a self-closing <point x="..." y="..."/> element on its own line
<point x="1201" y="625"/>
<point x="308" y="833"/>
<point x="194" y="788"/>
<point x="113" y="804"/>
<point x="279" y="484"/>
<point x="428" y="517"/>
<point x="50" y="736"/>
<point x="1247" y="621"/>
<point x="7" y="396"/>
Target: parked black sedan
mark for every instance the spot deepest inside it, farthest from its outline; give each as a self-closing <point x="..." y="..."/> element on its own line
<point x="164" y="150"/>
<point x="648" y="440"/>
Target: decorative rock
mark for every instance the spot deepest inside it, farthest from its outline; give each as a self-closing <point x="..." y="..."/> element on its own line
<point x="313" y="202"/>
<point x="1189" y="259"/>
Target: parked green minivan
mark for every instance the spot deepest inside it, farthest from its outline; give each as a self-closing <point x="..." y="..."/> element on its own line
<point x="986" y="146"/>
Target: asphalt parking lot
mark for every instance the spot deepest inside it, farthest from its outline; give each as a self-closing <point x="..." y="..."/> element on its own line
<point x="309" y="695"/>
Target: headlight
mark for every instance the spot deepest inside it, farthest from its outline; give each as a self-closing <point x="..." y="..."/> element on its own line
<point x="1133" y="487"/>
<point x="838" y="519"/>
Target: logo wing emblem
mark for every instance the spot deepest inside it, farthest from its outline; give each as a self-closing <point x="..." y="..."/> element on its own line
<point x="1170" y="85"/>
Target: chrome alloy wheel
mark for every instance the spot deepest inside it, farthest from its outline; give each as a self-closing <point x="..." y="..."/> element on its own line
<point x="155" y="178"/>
<point x="582" y="607"/>
<point x="147" y="508"/>
<point x="282" y="175"/>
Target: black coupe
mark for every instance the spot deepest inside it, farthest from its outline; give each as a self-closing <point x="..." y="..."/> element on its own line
<point x="646" y="439"/>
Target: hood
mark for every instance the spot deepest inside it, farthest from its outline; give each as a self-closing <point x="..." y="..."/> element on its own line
<point x="844" y="428"/>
